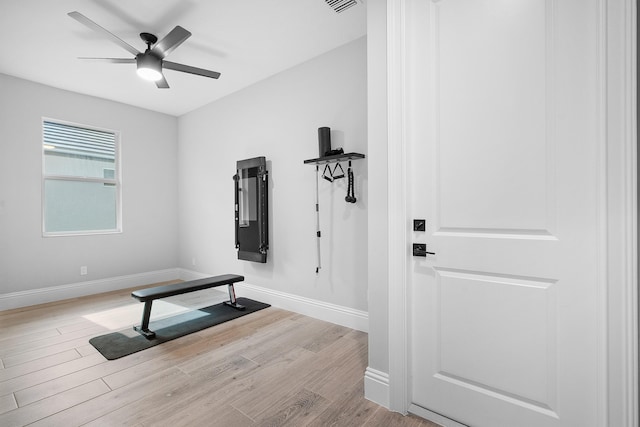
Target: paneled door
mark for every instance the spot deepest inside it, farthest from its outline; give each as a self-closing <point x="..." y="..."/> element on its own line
<point x="504" y="130"/>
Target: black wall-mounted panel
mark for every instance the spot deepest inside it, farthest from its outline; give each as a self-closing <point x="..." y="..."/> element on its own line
<point x="251" y="209"/>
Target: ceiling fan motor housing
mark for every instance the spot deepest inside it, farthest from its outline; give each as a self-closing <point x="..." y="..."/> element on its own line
<point x="149" y="66"/>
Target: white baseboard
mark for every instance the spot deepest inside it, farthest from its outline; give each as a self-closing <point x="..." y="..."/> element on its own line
<point x="376" y="386"/>
<point x="73" y="290"/>
<point x="344" y="316"/>
<point x="340" y="315"/>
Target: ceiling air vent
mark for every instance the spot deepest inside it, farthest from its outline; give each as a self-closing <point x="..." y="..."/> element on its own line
<point x="341" y="5"/>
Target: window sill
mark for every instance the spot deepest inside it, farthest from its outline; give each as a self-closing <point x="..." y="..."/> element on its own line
<point x="80" y="233"/>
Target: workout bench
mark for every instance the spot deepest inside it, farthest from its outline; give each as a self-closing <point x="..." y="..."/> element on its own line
<point x="148" y="295"/>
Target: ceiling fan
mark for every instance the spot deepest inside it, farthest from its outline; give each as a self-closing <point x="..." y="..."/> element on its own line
<point x="151" y="62"/>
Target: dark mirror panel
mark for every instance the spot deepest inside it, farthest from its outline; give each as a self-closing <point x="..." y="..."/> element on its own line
<point x="251" y="209"/>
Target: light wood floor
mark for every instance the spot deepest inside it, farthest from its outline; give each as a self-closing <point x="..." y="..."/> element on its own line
<point x="270" y="368"/>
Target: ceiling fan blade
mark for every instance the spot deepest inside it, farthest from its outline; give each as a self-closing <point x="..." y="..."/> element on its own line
<point x="111" y="60"/>
<point x="188" y="69"/>
<point x="95" y="27"/>
<point x="171" y="41"/>
<point x="162" y="83"/>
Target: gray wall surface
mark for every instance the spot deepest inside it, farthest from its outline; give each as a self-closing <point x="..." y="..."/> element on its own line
<point x="278" y="118"/>
<point x="149" y="240"/>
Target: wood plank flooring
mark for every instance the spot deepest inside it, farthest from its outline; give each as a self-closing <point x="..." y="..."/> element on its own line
<point x="269" y="368"/>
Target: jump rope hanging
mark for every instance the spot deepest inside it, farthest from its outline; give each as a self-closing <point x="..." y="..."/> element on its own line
<point x="328" y="156"/>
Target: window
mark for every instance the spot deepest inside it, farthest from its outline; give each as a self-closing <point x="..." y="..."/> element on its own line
<point x="80" y="184"/>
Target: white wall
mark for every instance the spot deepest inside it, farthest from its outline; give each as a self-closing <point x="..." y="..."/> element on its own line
<point x="278" y="118"/>
<point x="149" y="191"/>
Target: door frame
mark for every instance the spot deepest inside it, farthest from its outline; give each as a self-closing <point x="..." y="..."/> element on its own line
<point x="618" y="214"/>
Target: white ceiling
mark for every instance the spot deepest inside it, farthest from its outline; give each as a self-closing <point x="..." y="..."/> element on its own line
<point x="245" y="40"/>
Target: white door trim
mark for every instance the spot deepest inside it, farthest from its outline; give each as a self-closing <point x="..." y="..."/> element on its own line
<point x="622" y="210"/>
<point x="399" y="398"/>
<point x="619" y="314"/>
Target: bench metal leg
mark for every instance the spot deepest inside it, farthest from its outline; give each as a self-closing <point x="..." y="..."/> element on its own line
<point x="232" y="299"/>
<point x="143" y="329"/>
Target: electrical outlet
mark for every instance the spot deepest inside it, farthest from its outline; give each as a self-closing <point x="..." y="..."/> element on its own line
<point x="83" y="270"/>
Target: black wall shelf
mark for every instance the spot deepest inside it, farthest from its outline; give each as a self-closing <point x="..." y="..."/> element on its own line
<point x="334" y="158"/>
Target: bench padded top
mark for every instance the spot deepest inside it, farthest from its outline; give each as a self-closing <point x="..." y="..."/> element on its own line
<point x="157" y="292"/>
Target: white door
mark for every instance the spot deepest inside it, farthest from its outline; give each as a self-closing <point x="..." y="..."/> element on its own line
<point x="504" y="130"/>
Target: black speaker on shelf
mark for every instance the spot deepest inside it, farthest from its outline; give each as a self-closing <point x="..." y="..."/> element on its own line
<point x="324" y="141"/>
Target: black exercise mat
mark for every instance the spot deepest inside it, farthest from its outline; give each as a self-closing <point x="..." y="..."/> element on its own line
<point x="119" y="344"/>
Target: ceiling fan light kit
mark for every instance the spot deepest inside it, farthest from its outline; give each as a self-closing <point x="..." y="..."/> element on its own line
<point x="150" y="63"/>
<point x="149" y="67"/>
